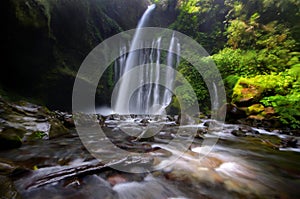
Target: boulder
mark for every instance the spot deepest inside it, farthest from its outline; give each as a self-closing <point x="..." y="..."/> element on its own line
<point x="248" y="129"/>
<point x="57" y="129"/>
<point x="234" y="112"/>
<point x="11" y="138"/>
<point x="289" y="142"/>
<point x="238" y="133"/>
<point x="255" y="109"/>
<point x="245" y="94"/>
<point x="144" y="121"/>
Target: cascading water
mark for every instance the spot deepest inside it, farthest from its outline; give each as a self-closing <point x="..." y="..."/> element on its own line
<point x="215" y="99"/>
<point x="149" y="98"/>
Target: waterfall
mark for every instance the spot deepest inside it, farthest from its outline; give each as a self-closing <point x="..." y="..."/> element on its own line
<point x="215" y="97"/>
<point x="149" y="98"/>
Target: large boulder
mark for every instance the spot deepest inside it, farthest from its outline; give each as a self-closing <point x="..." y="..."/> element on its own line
<point x="23" y="121"/>
<point x="57" y="129"/>
<point x="11" y="138"/>
<point x="245" y="94"/>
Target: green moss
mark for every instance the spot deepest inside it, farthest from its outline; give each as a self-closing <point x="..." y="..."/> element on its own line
<point x="37" y="135"/>
<point x="47" y="11"/>
<point x="29" y="13"/>
<point x="255" y="109"/>
<point x="262" y="85"/>
<point x="244" y="91"/>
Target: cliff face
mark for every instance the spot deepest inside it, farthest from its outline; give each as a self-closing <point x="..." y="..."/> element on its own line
<point x="45" y="42"/>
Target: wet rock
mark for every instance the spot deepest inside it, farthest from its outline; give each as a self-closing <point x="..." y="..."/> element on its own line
<point x="288" y="131"/>
<point x="211" y="124"/>
<point x="116" y="179"/>
<point x="144" y="121"/>
<point x="69" y="122"/>
<point x="28" y="121"/>
<point x="7" y="189"/>
<point x="65" y="118"/>
<point x="261" y="121"/>
<point x="269" y="111"/>
<point x="234" y="112"/>
<point x="289" y="142"/>
<point x="102" y="119"/>
<point x="201" y="132"/>
<point x="207" y="123"/>
<point x="243" y="130"/>
<point x="248" y="129"/>
<point x="87" y="187"/>
<point x="57" y="129"/>
<point x="9" y="168"/>
<point x="238" y="133"/>
<point x="170" y="118"/>
<point x="25" y="108"/>
<point x="256" y="117"/>
<point x="11" y="138"/>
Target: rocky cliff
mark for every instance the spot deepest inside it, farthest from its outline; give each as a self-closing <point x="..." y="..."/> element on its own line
<point x="45" y="41"/>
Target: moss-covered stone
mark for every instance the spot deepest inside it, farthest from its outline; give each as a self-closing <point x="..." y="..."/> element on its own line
<point x="57" y="129"/>
<point x="255" y="109"/>
<point x="11" y="138"/>
<point x="245" y="94"/>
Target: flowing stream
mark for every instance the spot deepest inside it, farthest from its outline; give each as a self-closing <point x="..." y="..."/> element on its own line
<point x="237" y="167"/>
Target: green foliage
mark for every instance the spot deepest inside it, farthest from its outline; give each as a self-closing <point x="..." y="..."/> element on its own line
<point x="203" y="21"/>
<point x="196" y="81"/>
<point x="251" y="62"/>
<point x="231" y="80"/>
<point x="261" y="49"/>
<point x="237" y="62"/>
<point x="229" y="83"/>
<point x="37" y="135"/>
<point x="185" y="96"/>
<point x="287" y="107"/>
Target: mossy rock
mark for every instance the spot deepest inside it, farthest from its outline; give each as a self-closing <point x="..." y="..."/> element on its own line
<point x="255" y="109"/>
<point x="11" y="138"/>
<point x="57" y="129"/>
<point x="245" y="94"/>
<point x="258" y="117"/>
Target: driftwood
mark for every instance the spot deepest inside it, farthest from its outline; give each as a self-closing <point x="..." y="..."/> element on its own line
<point x="47" y="176"/>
